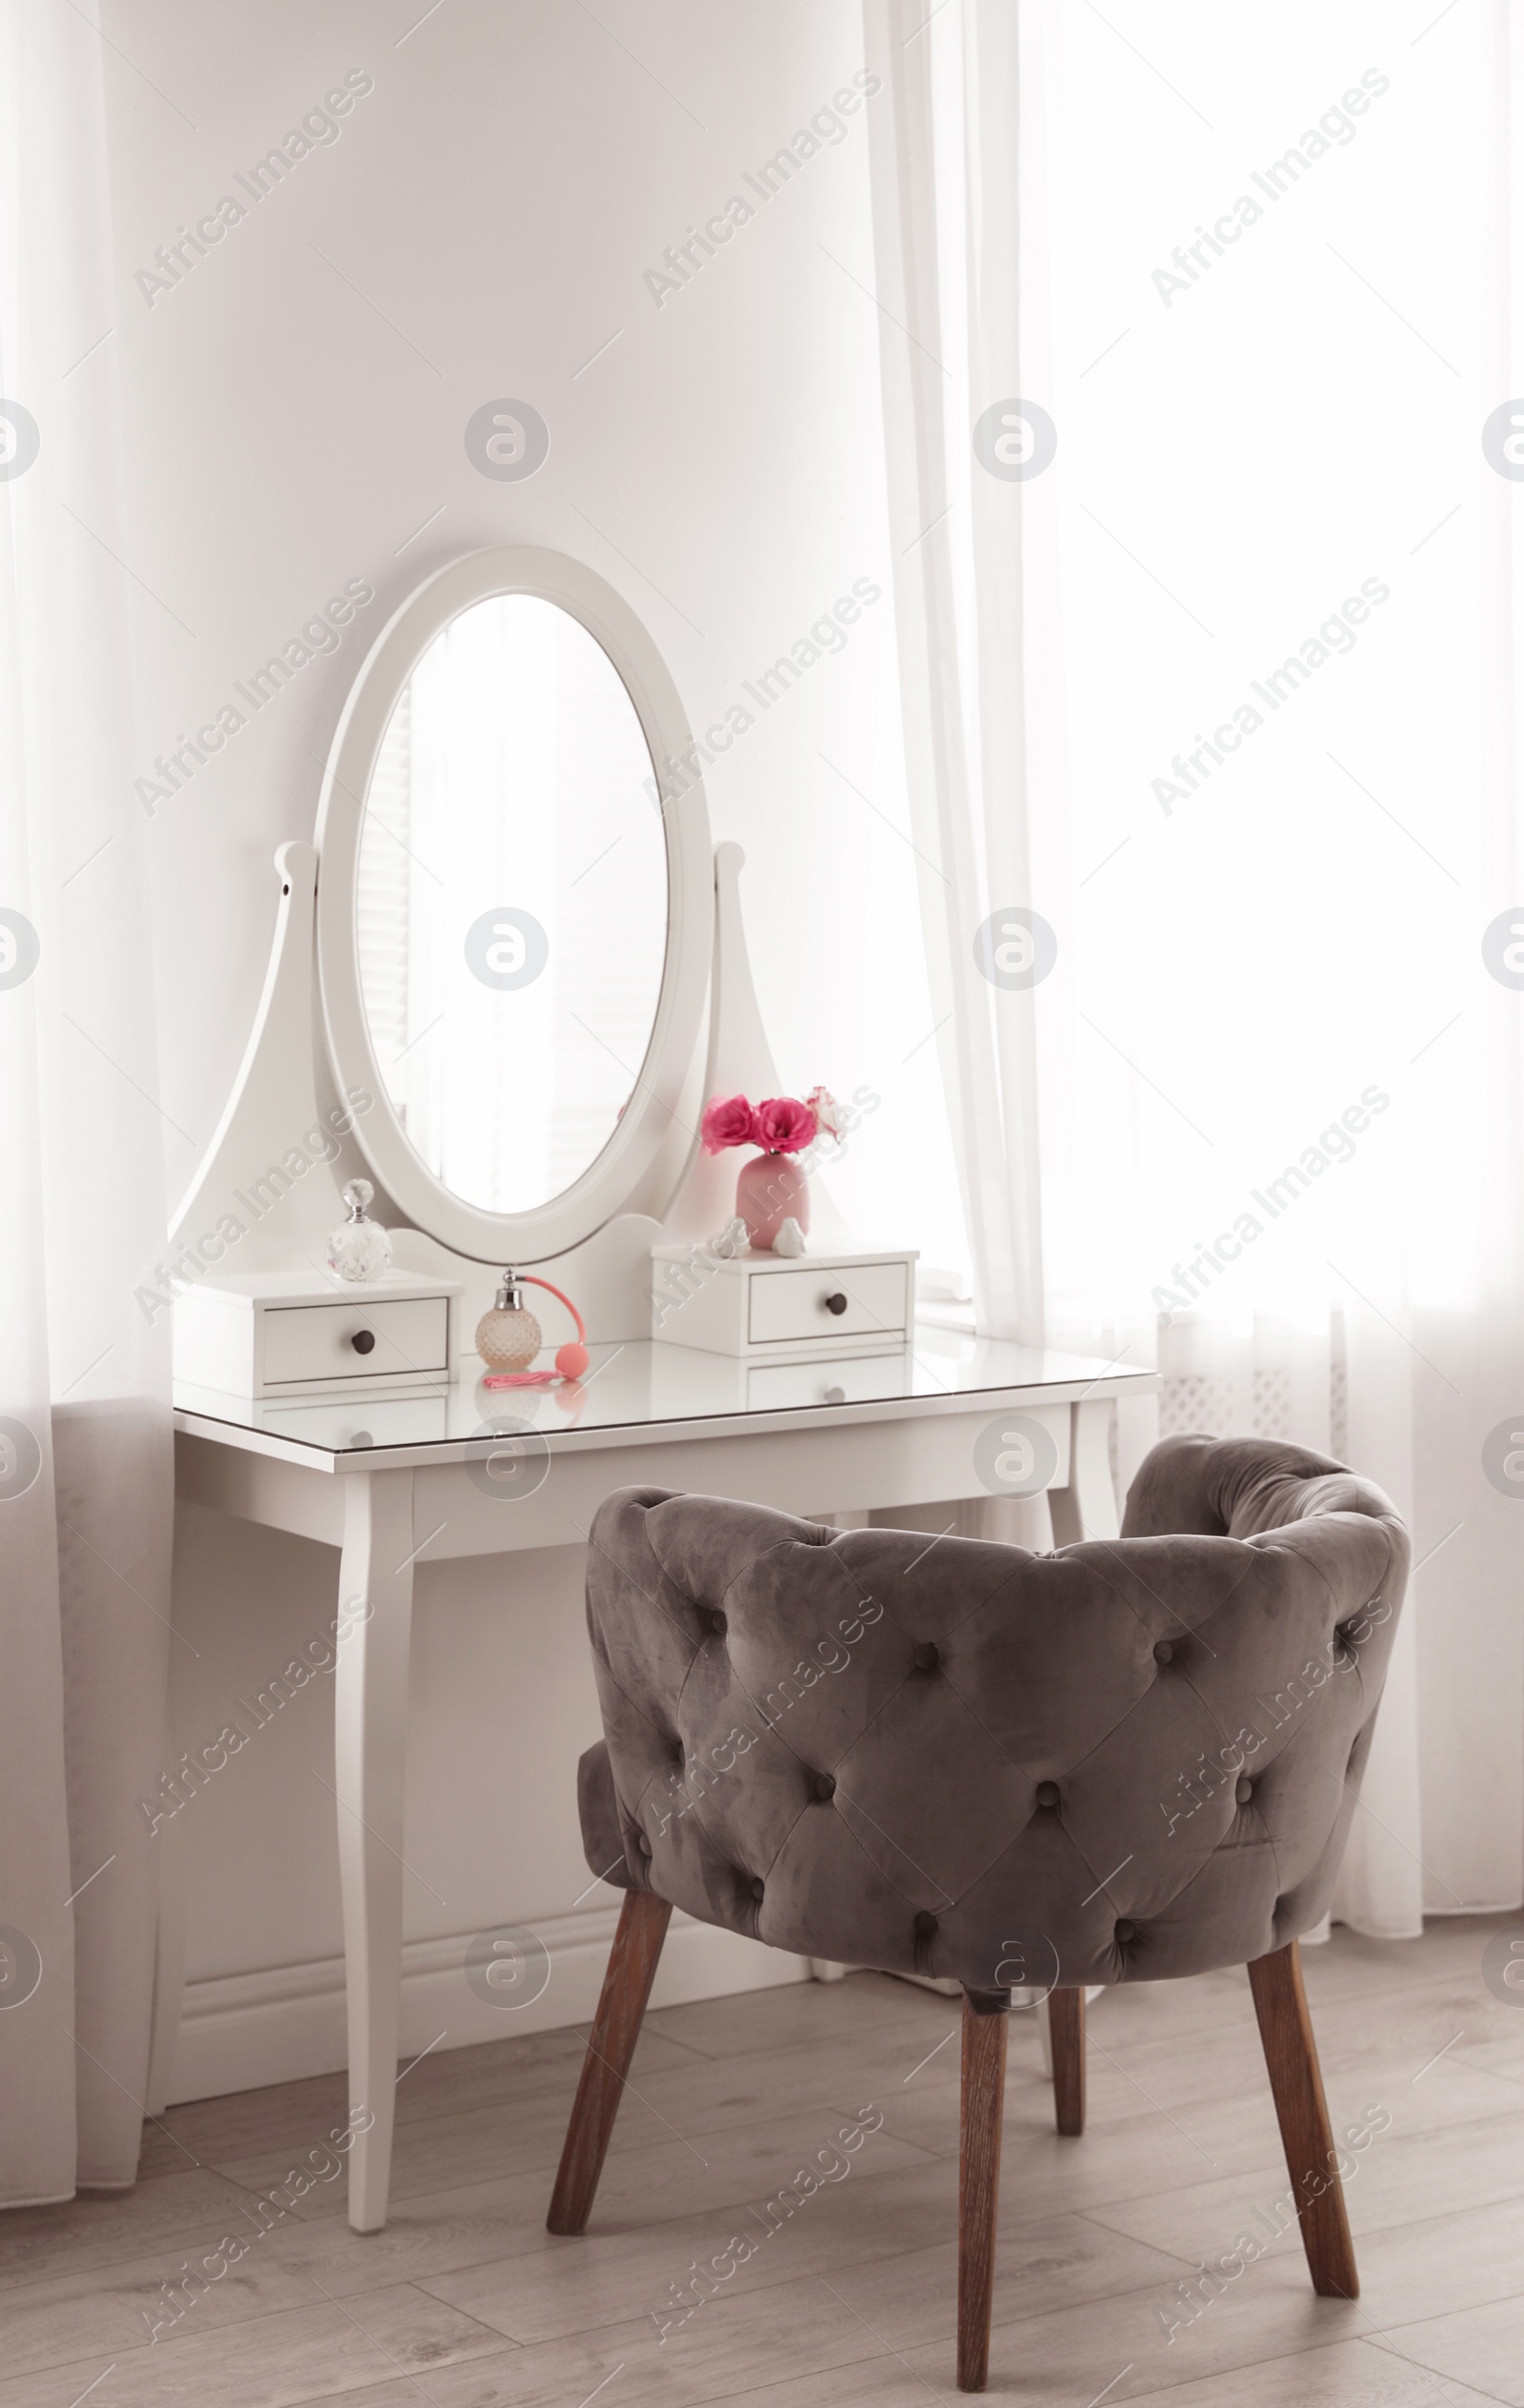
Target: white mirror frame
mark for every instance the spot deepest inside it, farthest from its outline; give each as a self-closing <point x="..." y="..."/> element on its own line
<point x="612" y="1179"/>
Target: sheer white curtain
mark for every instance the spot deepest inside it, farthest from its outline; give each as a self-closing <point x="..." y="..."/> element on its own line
<point x="963" y="580"/>
<point x="86" y="1484"/>
<point x="1222" y="690"/>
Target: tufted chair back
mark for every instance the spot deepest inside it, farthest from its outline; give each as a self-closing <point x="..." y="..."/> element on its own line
<point x="1125" y="1761"/>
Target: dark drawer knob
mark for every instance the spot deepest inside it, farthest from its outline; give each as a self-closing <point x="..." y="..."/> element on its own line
<point x="836" y="1303"/>
<point x="363" y="1341"/>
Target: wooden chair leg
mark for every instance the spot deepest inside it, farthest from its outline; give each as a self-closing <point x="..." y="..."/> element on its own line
<point x="983" y="2106"/>
<point x="1311" y="2158"/>
<point x="633" y="1959"/>
<point x="1066" y="2031"/>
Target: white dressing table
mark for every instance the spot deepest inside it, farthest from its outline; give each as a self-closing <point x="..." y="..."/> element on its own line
<point x="392" y="1482"/>
<point x="495" y="752"/>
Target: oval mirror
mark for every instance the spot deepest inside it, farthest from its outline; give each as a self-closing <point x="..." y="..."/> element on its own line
<point x="513" y="931"/>
<point x="511" y="903"/>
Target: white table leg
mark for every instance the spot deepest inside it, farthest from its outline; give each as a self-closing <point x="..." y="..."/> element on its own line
<point x="169" y="1961"/>
<point x="369" y="1711"/>
<point x="169" y="1839"/>
<point x="1087" y="1508"/>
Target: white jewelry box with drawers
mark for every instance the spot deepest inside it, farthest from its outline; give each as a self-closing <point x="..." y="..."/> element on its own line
<point x="301" y="1333"/>
<point x="782" y="1308"/>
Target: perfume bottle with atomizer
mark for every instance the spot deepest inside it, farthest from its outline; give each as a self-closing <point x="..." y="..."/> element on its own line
<point x="507" y="1336"/>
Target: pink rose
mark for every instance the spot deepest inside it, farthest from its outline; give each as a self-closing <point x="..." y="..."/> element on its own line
<point x="783" y="1125"/>
<point x="728" y="1120"/>
<point x="831" y="1116"/>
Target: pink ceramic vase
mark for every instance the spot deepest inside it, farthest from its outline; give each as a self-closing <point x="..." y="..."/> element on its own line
<point x="771" y="1190"/>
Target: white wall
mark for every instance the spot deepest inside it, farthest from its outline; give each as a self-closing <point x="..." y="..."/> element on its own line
<point x="295" y="412"/>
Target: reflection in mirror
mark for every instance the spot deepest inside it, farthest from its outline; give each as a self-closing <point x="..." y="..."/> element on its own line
<point x="511" y="903"/>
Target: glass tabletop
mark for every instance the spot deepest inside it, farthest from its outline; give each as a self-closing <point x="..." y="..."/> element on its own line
<point x="645" y="1384"/>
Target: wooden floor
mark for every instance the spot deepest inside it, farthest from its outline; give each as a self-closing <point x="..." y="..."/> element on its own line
<point x="465" y="2302"/>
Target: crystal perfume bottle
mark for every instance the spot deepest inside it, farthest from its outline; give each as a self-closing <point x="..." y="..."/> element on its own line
<point x="508" y="1338"/>
<point x="358" y="1248"/>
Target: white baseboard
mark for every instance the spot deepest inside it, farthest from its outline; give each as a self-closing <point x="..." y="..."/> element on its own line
<point x="241" y="2030"/>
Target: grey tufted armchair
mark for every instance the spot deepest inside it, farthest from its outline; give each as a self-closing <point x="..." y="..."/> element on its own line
<point x="1125" y="1761"/>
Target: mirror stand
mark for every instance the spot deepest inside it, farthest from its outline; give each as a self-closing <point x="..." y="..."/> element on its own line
<point x="738" y="1061"/>
<point x="267" y="1195"/>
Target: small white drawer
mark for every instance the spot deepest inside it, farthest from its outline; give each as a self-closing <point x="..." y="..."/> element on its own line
<point x="772" y="1309"/>
<point x="291" y="1334"/>
<point x="327" y="1341"/>
<point x="869" y="1300"/>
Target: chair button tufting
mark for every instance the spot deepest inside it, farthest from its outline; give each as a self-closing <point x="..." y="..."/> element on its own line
<point x="758" y="1889"/>
<point x="825" y="1786"/>
<point x="925" y="1925"/>
<point x="1047" y="1793"/>
<point x="1245" y="1790"/>
<point x="927" y="1657"/>
<point x="1126" y="1931"/>
<point x="1164" y="1653"/>
<point x="718" y="1624"/>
